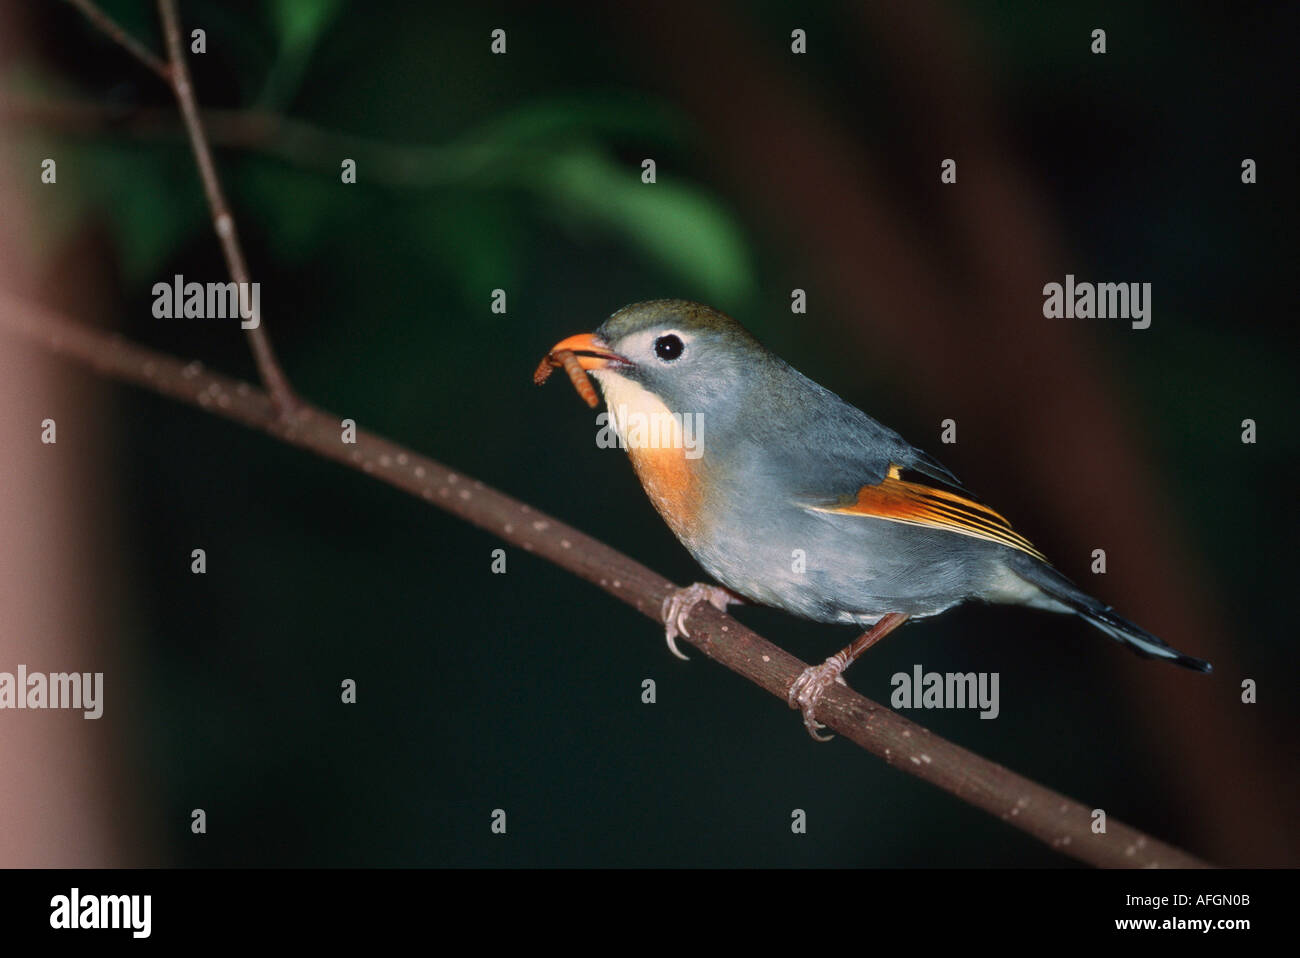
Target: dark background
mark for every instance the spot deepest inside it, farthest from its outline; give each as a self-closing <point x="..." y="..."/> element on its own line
<point x="522" y="172"/>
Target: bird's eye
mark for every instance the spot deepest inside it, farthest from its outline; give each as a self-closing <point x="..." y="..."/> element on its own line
<point x="668" y="347"/>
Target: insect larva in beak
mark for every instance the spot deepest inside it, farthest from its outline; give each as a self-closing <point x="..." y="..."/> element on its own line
<point x="544" y="370"/>
<point x="577" y="375"/>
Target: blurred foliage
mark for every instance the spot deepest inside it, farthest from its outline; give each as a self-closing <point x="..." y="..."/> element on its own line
<point x="299" y="24"/>
<point x="476" y="204"/>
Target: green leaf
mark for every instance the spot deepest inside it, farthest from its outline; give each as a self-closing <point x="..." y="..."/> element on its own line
<point x="154" y="203"/>
<point x="301" y="22"/>
<point x="680" y="226"/>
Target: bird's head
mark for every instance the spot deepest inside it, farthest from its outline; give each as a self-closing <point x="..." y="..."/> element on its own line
<point x="686" y="355"/>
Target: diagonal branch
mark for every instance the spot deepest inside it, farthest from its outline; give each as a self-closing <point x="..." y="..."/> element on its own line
<point x="176" y="73"/>
<point x="277" y="384"/>
<point x="113" y="30"/>
<point x="1058" y="821"/>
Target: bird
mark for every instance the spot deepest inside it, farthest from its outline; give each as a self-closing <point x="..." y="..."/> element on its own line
<point x="791" y="497"/>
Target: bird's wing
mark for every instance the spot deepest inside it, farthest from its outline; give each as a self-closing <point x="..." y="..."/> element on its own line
<point x="927" y="465"/>
<point x="897" y="498"/>
<point x="851" y="465"/>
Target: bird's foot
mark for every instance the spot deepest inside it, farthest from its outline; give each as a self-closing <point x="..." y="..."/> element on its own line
<point x="806" y="691"/>
<point x="678" y="605"/>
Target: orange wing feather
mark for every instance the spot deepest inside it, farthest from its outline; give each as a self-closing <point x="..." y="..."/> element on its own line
<point x="914" y="503"/>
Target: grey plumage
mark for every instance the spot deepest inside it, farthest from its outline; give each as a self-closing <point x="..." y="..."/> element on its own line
<point x="783" y="457"/>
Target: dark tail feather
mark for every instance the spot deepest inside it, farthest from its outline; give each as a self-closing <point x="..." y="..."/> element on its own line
<point x="1102" y="616"/>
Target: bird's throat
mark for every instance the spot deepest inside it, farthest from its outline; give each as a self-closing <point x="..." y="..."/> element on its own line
<point x="665" y="448"/>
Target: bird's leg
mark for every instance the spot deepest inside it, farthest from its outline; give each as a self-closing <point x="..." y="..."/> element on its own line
<point x="678" y="605"/>
<point x="813" y="682"/>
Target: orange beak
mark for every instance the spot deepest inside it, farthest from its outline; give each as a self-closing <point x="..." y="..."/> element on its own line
<point x="591" y="352"/>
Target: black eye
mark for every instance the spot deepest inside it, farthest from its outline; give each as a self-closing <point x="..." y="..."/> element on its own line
<point x="668" y="347"/>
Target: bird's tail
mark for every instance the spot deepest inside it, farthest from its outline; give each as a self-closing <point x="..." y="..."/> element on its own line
<point x="1102" y="616"/>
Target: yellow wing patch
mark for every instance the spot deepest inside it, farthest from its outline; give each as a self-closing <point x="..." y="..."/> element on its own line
<point x="913" y="503"/>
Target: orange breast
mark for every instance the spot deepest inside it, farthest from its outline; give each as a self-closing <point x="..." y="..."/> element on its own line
<point x="670" y="482"/>
<point x="656" y="442"/>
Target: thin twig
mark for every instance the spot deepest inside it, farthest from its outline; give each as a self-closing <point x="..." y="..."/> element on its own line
<point x="1056" y="820"/>
<point x="110" y="28"/>
<point x="292" y="140"/>
<point x="175" y="72"/>
<point x="277" y="384"/>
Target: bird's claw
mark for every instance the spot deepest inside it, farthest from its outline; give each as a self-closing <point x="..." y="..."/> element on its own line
<point x="806" y="691"/>
<point x="677" y="608"/>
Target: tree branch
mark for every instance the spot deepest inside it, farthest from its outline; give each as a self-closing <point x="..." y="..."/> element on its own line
<point x="277" y="384"/>
<point x="286" y="138"/>
<point x="1049" y="816"/>
<point x="176" y="73"/>
<point x="110" y="28"/>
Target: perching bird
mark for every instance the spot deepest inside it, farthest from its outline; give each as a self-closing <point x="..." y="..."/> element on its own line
<point x="791" y="497"/>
